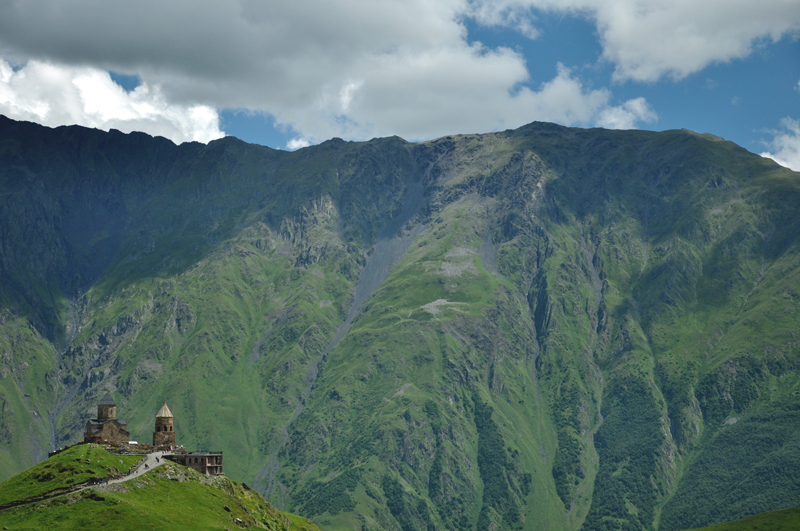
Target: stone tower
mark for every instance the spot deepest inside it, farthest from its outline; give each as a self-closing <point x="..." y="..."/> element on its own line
<point x="165" y="431"/>
<point x="106" y="408"/>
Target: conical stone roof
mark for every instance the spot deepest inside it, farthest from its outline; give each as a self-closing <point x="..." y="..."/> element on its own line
<point x="164" y="412"/>
<point x="108" y="401"/>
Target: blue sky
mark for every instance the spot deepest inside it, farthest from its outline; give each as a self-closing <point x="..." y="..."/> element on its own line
<point x="736" y="100"/>
<point x="741" y="100"/>
<point x="287" y="75"/>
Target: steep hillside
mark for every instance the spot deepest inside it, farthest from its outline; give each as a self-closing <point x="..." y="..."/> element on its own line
<point x="783" y="520"/>
<point x="171" y="495"/>
<point x="547" y="328"/>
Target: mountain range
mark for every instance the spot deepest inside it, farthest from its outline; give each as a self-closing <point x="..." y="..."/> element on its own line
<point x="546" y="328"/>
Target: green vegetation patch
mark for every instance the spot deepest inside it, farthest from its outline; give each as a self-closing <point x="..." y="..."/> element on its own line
<point x="628" y="443"/>
<point x="410" y="512"/>
<point x="70" y="467"/>
<point x="567" y="468"/>
<point x="496" y="472"/>
<point x="750" y="465"/>
<point x="170" y="497"/>
<point x="783" y="520"/>
<point x="331" y="496"/>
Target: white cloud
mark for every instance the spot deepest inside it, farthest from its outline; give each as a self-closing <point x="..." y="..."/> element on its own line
<point x="323" y="69"/>
<point x="509" y="14"/>
<point x="627" y="115"/>
<point x="347" y="68"/>
<point x="297" y="143"/>
<point x="56" y="95"/>
<point x="786" y="144"/>
<point x="648" y="39"/>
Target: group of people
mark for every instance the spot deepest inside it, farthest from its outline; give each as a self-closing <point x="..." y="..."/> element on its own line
<point x="158" y="461"/>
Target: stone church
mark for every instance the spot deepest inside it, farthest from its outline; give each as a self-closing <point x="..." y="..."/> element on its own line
<point x="164" y="435"/>
<point x="106" y="428"/>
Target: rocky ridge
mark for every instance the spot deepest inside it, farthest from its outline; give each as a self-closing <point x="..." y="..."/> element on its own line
<point x="546" y="328"/>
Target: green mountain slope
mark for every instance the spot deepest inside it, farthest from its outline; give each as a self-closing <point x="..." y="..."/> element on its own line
<point x="546" y="328"/>
<point x="783" y="520"/>
<point x="170" y="495"/>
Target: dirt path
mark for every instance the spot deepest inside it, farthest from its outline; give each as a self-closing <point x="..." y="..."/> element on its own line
<point x="151" y="461"/>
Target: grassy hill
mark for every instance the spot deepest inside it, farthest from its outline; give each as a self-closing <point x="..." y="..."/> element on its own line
<point x="783" y="520"/>
<point x="73" y="466"/>
<point x="170" y="495"/>
<point x="547" y="328"/>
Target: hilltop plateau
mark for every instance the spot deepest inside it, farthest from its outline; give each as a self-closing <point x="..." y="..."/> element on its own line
<point x="547" y="328"/>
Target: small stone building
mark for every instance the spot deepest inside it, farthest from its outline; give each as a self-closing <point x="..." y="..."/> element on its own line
<point x="164" y="434"/>
<point x="106" y="428"/>
<point x="209" y="463"/>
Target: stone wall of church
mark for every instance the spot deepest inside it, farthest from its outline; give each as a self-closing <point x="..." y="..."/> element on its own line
<point x="164" y="438"/>
<point x="109" y="433"/>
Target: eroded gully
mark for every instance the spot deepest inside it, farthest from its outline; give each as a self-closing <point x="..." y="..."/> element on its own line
<point x="489" y="258"/>
<point x="392" y="242"/>
<point x="68" y="393"/>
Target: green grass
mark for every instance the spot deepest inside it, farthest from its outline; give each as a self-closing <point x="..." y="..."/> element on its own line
<point x="70" y="467"/>
<point x="25" y="395"/>
<point x="782" y="520"/>
<point x="170" y="496"/>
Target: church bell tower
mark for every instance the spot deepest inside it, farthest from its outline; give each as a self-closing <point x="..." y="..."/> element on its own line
<point x="106" y="408"/>
<point x="164" y="434"/>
